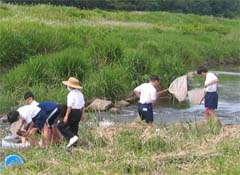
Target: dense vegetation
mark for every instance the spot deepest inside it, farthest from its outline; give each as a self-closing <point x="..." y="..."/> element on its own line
<point x="110" y="52"/>
<point x="179" y="149"/>
<point x="223" y="8"/>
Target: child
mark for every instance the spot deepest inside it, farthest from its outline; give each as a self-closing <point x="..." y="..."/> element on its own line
<point x="147" y="94"/>
<point x="30" y="99"/>
<point x="211" y="96"/>
<point x="52" y="111"/>
<point x="32" y="119"/>
<point x="75" y="109"/>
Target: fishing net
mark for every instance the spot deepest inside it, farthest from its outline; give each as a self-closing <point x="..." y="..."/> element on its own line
<point x="179" y="88"/>
<point x="195" y="96"/>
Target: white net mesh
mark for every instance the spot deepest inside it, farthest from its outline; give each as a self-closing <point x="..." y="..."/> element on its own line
<point x="179" y="88"/>
<point x="195" y="96"/>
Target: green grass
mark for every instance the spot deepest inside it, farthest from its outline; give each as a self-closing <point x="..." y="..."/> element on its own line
<point x="123" y="149"/>
<point x="110" y="52"/>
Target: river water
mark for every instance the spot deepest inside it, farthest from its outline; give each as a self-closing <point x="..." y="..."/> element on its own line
<point x="168" y="111"/>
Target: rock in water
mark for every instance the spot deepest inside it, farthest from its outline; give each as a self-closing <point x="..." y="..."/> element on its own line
<point x="121" y="104"/>
<point x="100" y="105"/>
<point x="114" y="110"/>
<point x="14" y="127"/>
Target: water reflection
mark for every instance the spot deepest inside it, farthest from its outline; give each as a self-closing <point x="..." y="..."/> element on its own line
<point x="168" y="111"/>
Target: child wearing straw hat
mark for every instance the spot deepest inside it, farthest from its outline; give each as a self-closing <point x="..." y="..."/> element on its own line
<point x="75" y="109"/>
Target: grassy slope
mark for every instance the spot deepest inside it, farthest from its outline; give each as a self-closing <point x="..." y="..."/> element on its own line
<point x="54" y="35"/>
<point x="112" y="50"/>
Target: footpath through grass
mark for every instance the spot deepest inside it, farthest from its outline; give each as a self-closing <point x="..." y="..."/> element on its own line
<point x="110" y="52"/>
<point x="179" y="149"/>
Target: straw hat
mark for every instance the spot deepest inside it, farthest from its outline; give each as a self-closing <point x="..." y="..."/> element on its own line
<point x="73" y="83"/>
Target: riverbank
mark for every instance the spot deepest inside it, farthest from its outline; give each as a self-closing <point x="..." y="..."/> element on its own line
<point x="177" y="149"/>
<point x="109" y="52"/>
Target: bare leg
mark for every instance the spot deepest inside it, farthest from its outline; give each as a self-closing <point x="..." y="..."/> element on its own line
<point x="23" y="140"/>
<point x="148" y="128"/>
<point x="211" y="113"/>
<point x="56" y="135"/>
<point x="46" y="136"/>
<point x="206" y="114"/>
<point x="32" y="136"/>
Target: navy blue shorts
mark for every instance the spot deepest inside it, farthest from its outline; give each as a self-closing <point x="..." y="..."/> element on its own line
<point x="211" y="100"/>
<point x="40" y="119"/>
<point x="26" y="128"/>
<point x="145" y="112"/>
<point x="52" y="116"/>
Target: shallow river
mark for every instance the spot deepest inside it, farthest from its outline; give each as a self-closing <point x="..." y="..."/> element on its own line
<point x="167" y="111"/>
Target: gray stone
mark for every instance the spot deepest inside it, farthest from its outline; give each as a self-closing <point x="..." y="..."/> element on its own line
<point x="14" y="127"/>
<point x="121" y="104"/>
<point x="99" y="105"/>
<point x="4" y="119"/>
<point x="114" y="110"/>
<point x="131" y="98"/>
<point x="12" y="139"/>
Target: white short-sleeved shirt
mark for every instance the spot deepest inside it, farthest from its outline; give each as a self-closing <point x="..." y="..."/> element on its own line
<point x="147" y="91"/>
<point x="75" y="99"/>
<point x="209" y="78"/>
<point x="34" y="103"/>
<point x="28" y="112"/>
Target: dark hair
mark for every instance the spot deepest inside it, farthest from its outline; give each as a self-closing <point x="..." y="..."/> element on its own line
<point x="63" y="109"/>
<point x="202" y="69"/>
<point x="12" y="116"/>
<point x="28" y="94"/>
<point x="154" y="78"/>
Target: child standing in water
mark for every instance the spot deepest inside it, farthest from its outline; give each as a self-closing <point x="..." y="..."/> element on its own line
<point x="147" y="93"/>
<point x="211" y="96"/>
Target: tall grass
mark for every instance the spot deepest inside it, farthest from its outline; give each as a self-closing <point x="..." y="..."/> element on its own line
<point x="124" y="150"/>
<point x="110" y="52"/>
